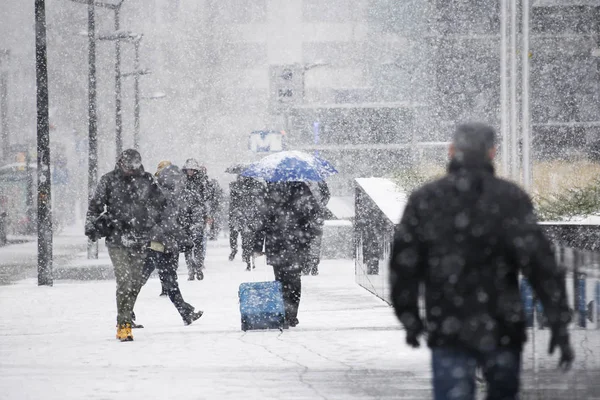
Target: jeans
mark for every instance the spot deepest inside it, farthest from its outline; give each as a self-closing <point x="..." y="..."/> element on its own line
<point x="166" y="264"/>
<point x="454" y="373"/>
<point x="128" y="263"/>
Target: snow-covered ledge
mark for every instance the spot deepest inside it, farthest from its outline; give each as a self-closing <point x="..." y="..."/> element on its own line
<point x="379" y="207"/>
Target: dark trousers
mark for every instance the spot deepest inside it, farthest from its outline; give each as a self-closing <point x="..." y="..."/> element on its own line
<point x="215" y="228"/>
<point x="454" y="373"/>
<point x="247" y="242"/>
<point x="166" y="264"/>
<point x="234" y="231"/>
<point x="291" y="282"/>
<point x="194" y="258"/>
<point x="313" y="257"/>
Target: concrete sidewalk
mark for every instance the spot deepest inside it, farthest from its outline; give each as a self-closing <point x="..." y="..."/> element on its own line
<point x="19" y="260"/>
<point x="58" y="343"/>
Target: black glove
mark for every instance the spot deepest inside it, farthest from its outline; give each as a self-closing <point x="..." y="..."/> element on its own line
<point x="92" y="234"/>
<point x="412" y="338"/>
<point x="560" y="338"/>
<point x="414" y="327"/>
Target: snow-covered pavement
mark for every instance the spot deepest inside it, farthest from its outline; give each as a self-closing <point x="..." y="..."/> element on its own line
<point x="19" y="260"/>
<point x="58" y="343"/>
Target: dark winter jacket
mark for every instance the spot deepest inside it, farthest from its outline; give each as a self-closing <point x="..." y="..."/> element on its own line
<point x="196" y="203"/>
<point x="246" y="204"/>
<point x="467" y="237"/>
<point x="321" y="193"/>
<point x="215" y="198"/>
<point x="289" y="209"/>
<point x="133" y="206"/>
<point x="173" y="228"/>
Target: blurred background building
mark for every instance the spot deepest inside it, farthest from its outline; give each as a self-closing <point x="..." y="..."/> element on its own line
<point x="360" y="81"/>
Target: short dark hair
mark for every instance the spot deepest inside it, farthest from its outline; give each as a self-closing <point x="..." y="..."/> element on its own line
<point x="474" y="138"/>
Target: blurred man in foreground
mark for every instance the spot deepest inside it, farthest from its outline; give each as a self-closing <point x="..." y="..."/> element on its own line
<point x="466" y="238"/>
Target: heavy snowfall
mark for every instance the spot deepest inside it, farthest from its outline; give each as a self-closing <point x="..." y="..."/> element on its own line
<point x="300" y="199"/>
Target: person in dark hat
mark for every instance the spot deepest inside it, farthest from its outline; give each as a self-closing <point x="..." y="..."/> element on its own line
<point x="131" y="203"/>
<point x="466" y="238"/>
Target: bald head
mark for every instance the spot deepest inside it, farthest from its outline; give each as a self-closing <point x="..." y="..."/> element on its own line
<point x="473" y="140"/>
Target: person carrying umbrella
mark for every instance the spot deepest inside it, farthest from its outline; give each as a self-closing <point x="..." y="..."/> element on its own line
<point x="287" y="228"/>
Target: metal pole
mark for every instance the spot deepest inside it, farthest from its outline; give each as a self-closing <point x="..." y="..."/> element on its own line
<point x="513" y="92"/>
<point x="92" y="247"/>
<point x="527" y="173"/>
<point x="30" y="211"/>
<point x="118" y="116"/>
<point x="136" y="92"/>
<point x="44" y="225"/>
<point x="504" y="117"/>
<point x="4" y="60"/>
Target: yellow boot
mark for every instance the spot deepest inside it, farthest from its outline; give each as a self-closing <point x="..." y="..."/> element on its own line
<point x="124" y="333"/>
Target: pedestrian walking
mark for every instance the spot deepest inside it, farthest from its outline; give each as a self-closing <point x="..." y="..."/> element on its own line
<point x="170" y="236"/>
<point x="321" y="193"/>
<point x="467" y="238"/>
<point x="236" y="214"/>
<point x="162" y="165"/>
<point x="195" y="196"/>
<point x="285" y="236"/>
<point x="246" y="208"/>
<point x="215" y="199"/>
<point x="126" y="205"/>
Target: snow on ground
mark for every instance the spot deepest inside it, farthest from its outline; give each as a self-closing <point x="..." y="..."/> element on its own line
<point x="58" y="342"/>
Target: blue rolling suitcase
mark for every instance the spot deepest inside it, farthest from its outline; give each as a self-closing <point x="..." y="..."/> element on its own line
<point x="261" y="305"/>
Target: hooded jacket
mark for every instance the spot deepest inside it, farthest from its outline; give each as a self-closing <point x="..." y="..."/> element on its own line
<point x="133" y="205"/>
<point x="196" y="196"/>
<point x="172" y="229"/>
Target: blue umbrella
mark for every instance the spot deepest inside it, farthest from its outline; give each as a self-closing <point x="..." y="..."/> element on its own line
<point x="290" y="166"/>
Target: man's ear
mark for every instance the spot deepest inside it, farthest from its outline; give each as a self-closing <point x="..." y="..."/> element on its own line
<point x="492" y="153"/>
<point x="451" y="151"/>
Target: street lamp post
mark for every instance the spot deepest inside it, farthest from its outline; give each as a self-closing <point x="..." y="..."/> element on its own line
<point x="92" y="247"/>
<point x="118" y="114"/>
<point x="136" y="94"/>
<point x="4" y="60"/>
<point x="44" y="203"/>
<point x="504" y="113"/>
<point x="135" y="39"/>
<point x="527" y="170"/>
<point x="514" y="117"/>
<point x="136" y="73"/>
